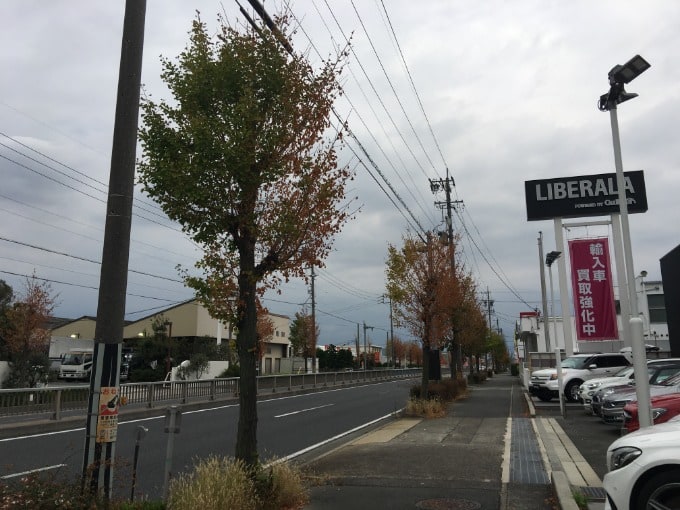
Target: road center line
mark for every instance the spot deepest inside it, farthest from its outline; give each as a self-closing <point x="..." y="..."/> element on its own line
<point x="24" y="473"/>
<point x="303" y="410"/>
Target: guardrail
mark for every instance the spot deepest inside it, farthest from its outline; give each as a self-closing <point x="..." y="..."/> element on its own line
<point x="57" y="399"/>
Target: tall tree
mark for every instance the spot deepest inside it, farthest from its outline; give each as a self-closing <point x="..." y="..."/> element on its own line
<point x="242" y="159"/>
<point x="421" y="285"/>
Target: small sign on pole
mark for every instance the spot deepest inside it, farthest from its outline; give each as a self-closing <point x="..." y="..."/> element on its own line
<point x="107" y="421"/>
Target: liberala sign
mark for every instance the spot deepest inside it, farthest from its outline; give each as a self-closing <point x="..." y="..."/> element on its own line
<point x="585" y="195"/>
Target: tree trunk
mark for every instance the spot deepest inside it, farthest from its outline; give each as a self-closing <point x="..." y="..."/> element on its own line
<point x="424" y="394"/>
<point x="246" y="436"/>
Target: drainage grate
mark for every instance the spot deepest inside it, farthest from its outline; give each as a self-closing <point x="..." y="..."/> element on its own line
<point x="448" y="504"/>
<point x="594" y="493"/>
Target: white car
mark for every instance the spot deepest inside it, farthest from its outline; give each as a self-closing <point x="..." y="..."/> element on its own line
<point x="644" y="469"/>
<point x="575" y="370"/>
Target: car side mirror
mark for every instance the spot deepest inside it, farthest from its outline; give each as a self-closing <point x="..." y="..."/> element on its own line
<point x="592" y="366"/>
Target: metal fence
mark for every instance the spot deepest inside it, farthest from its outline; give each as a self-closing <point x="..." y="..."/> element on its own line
<point x="58" y="399"/>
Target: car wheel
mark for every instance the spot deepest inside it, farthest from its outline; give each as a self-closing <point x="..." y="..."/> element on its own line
<point x="544" y="396"/>
<point x="660" y="491"/>
<point x="571" y="391"/>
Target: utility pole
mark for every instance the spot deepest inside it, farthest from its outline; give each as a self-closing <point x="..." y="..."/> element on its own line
<point x="489" y="305"/>
<point x="313" y="325"/>
<point x="435" y="186"/>
<point x="358" y="338"/>
<point x="102" y="416"/>
<point x="544" y="297"/>
<point x="394" y="357"/>
<point x="365" y="347"/>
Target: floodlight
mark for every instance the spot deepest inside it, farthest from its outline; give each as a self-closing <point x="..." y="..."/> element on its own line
<point x="629" y="71"/>
<point x="552" y="257"/>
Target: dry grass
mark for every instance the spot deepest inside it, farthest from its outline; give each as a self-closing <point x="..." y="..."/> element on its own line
<point x="220" y="483"/>
<point x="214" y="484"/>
<point x="431" y="408"/>
<point x="286" y="489"/>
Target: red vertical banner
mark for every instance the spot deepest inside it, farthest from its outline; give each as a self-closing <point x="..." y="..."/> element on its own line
<point x="593" y="289"/>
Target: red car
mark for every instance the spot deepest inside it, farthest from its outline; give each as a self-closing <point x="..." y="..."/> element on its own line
<point x="664" y="407"/>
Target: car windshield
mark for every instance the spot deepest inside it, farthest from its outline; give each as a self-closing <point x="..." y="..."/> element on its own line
<point x="670" y="381"/>
<point x="624" y="372"/>
<point x="76" y="359"/>
<point x="575" y="362"/>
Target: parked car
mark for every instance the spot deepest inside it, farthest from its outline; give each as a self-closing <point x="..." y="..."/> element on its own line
<point x="644" y="469"/>
<point x="657" y="373"/>
<point x="575" y="370"/>
<point x="588" y="388"/>
<point x="665" y="380"/>
<point x="664" y="408"/>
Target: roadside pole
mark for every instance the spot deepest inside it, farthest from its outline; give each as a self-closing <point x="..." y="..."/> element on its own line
<point x="560" y="380"/>
<point x="102" y="416"/>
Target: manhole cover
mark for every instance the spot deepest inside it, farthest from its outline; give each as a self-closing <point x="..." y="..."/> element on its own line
<point x="448" y="504"/>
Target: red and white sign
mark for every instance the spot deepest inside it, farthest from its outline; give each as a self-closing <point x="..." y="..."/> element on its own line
<point x="593" y="289"/>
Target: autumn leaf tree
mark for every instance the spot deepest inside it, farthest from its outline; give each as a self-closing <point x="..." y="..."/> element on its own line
<point x="464" y="317"/>
<point x="303" y="336"/>
<point x="244" y="158"/>
<point x="421" y="285"/>
<point x="26" y="335"/>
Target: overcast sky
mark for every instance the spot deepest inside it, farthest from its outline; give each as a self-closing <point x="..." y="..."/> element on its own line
<point x="508" y="93"/>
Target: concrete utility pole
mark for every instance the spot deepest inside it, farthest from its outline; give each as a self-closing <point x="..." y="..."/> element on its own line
<point x="314" y="339"/>
<point x="102" y="416"/>
<point x="435" y="186"/>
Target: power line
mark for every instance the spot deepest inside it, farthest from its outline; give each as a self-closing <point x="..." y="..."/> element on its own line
<point x="84" y="259"/>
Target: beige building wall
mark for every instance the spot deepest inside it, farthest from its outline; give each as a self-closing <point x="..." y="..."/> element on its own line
<point x="78" y="328"/>
<point x="190" y="319"/>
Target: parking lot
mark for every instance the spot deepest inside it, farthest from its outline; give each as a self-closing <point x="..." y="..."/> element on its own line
<point x="590" y="435"/>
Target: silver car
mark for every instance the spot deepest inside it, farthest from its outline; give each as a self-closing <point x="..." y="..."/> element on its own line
<point x="665" y="380"/>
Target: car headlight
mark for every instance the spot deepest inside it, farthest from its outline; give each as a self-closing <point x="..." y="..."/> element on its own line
<point x="553" y="377"/>
<point x="657" y="411"/>
<point x="592" y="386"/>
<point x="623" y="456"/>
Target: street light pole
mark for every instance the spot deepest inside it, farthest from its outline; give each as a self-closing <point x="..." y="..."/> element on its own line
<point x="544" y="299"/>
<point x="549" y="259"/>
<point x="618" y="77"/>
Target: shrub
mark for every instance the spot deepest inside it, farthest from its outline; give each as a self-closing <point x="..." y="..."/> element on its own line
<point x="514" y="369"/>
<point x="232" y="371"/>
<point x="476" y="377"/>
<point x="55" y="492"/>
<point x="445" y="390"/>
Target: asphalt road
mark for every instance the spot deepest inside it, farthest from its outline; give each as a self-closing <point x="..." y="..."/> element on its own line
<point x="286" y="425"/>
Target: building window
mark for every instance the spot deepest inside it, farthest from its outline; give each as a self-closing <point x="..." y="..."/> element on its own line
<point x="283" y="333"/>
<point x="657" y="308"/>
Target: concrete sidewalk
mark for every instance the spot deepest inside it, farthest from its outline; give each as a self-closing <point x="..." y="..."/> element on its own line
<point x="476" y="457"/>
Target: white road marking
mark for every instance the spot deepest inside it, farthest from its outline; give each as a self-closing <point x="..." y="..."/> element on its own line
<point x="24" y="473"/>
<point x="330" y="439"/>
<point x="303" y="410"/>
